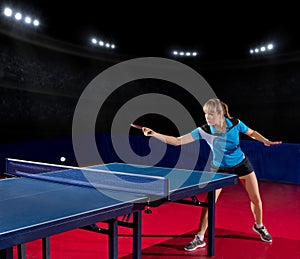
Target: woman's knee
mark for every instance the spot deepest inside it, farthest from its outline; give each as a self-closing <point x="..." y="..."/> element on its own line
<point x="256" y="200"/>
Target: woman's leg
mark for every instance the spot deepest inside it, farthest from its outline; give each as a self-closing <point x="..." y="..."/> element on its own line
<point x="199" y="238"/>
<point x="204" y="215"/>
<point x="251" y="185"/>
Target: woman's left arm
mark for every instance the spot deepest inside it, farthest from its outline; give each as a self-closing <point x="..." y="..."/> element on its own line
<point x="257" y="136"/>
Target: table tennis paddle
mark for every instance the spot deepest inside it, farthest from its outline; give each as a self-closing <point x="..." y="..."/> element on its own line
<point x="139" y="127"/>
<point x="136" y="126"/>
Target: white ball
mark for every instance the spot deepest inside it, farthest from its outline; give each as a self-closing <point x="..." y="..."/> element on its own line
<point x="62" y="159"/>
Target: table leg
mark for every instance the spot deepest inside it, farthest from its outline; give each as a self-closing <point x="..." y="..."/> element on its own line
<point x="6" y="253"/>
<point x="137" y="235"/>
<point x="113" y="238"/>
<point x="211" y="222"/>
<point x="22" y="251"/>
<point x="46" y="247"/>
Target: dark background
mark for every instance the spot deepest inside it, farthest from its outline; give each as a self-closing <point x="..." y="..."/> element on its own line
<point x="44" y="71"/>
<point x="217" y="31"/>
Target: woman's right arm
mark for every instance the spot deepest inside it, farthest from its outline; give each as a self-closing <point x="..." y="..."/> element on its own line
<point x="174" y="141"/>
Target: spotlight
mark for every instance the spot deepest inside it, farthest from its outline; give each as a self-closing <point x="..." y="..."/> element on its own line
<point x="7" y="12"/>
<point x="18" y="16"/>
<point x="27" y="20"/>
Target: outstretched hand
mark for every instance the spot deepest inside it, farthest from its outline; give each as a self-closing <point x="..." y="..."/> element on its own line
<point x="269" y="143"/>
<point x="147" y="131"/>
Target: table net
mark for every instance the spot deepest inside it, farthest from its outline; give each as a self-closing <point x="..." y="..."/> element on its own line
<point x="90" y="177"/>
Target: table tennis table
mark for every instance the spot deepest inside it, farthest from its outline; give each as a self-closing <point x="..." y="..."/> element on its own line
<point x="32" y="208"/>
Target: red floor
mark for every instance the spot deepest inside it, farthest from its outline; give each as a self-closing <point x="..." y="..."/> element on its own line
<point x="171" y="226"/>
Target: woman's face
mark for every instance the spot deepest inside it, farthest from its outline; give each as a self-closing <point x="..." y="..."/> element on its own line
<point x="212" y="118"/>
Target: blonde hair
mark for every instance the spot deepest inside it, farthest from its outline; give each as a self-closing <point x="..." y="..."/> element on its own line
<point x="216" y="105"/>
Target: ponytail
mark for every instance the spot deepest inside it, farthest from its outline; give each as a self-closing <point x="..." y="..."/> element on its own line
<point x="225" y="110"/>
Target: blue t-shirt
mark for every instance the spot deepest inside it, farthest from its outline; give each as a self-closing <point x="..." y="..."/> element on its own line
<point x="225" y="146"/>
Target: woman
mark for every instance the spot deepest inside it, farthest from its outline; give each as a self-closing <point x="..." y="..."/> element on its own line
<point x="222" y="134"/>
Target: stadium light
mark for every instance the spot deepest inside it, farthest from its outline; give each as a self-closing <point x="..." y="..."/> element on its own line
<point x="184" y="53"/>
<point x="36" y="22"/>
<point x="27" y="20"/>
<point x="18" y="16"/>
<point x="9" y="12"/>
<point x="262" y="49"/>
<point x="101" y="43"/>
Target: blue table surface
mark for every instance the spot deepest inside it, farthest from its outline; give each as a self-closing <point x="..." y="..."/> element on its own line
<point x="25" y="201"/>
